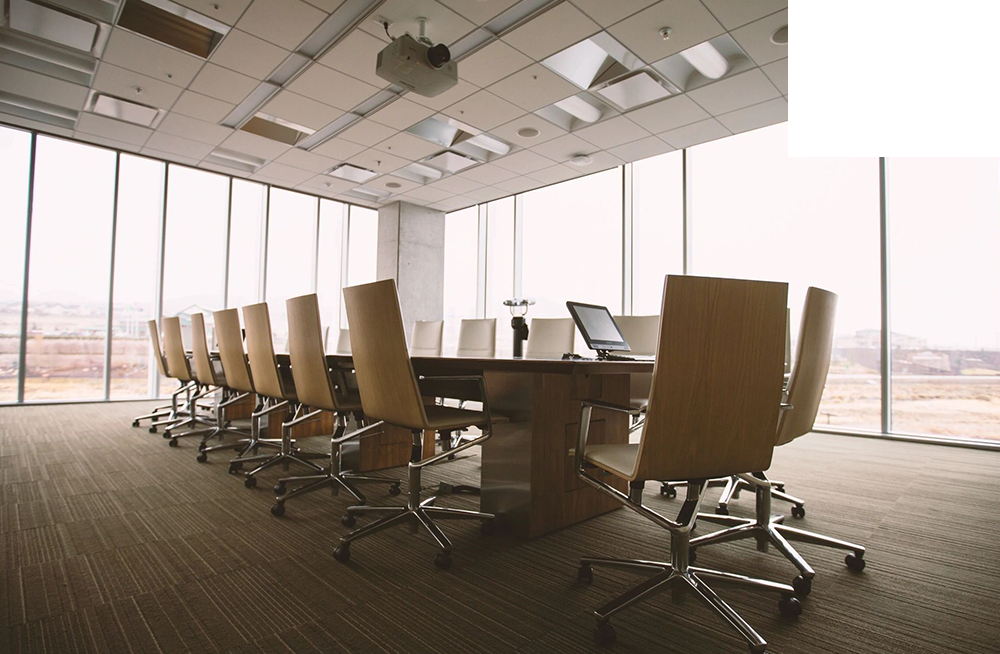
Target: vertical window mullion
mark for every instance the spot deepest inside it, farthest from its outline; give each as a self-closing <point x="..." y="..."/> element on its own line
<point x="518" y="244"/>
<point x="111" y="280"/>
<point x="229" y="236"/>
<point x="161" y="257"/>
<point x="262" y="293"/>
<point x="885" y="367"/>
<point x="481" y="260"/>
<point x="627" y="226"/>
<point x="22" y="352"/>
<point x="686" y="212"/>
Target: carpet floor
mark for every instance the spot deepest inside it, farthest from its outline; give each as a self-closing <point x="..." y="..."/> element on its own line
<point x="113" y="542"/>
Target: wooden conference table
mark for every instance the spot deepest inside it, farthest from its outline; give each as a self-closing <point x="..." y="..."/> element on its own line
<point x="528" y="479"/>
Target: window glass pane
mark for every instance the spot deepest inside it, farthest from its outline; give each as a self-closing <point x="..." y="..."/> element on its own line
<point x="70" y="270"/>
<point x="329" y="267"/>
<point x="291" y="250"/>
<point x="246" y="242"/>
<point x="756" y="213"/>
<point x="461" y="256"/>
<point x="944" y="227"/>
<point x="195" y="249"/>
<point x="657" y="228"/>
<point x="362" y="245"/>
<point x="500" y="269"/>
<point x="573" y="245"/>
<point x="137" y="242"/>
<point x="15" y="160"/>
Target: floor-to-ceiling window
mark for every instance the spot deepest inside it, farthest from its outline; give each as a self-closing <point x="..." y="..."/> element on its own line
<point x="461" y="260"/>
<point x="500" y="269"/>
<point x="136" y="274"/>
<point x="756" y="213"/>
<point x="246" y="242"/>
<point x="70" y="270"/>
<point x="362" y="245"/>
<point x="15" y="169"/>
<point x="944" y="244"/>
<point x="330" y="267"/>
<point x="291" y="254"/>
<point x="657" y="228"/>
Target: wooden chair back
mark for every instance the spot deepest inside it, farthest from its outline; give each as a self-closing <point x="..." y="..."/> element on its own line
<point x="425" y="340"/>
<point x="477" y="338"/>
<point x="313" y="386"/>
<point x="173" y="346"/>
<point x="154" y="340"/>
<point x="234" y="359"/>
<point x="550" y="338"/>
<point x="640" y="333"/>
<point x="812" y="364"/>
<point x="386" y="379"/>
<point x="717" y="380"/>
<point x="204" y="373"/>
<point x="260" y="351"/>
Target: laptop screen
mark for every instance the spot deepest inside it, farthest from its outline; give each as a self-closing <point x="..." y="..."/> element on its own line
<point x="598" y="327"/>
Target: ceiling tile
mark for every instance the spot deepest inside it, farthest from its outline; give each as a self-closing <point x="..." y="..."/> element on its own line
<point x="733" y="13"/>
<point x="455" y="184"/>
<point x="305" y="160"/>
<point x="127" y="84"/>
<point x="100" y="140"/>
<point x="607" y="12"/>
<point x="178" y="145"/>
<point x="443" y="24"/>
<point x="223" y="84"/>
<point x="599" y="161"/>
<point x="759" y="115"/>
<point x="287" y="174"/>
<point x="430" y="194"/>
<point x="736" y="92"/>
<point x="555" y="174"/>
<point x="254" y="145"/>
<point x="225" y="170"/>
<point x="392" y="184"/>
<point x="564" y="148"/>
<point x="401" y="113"/>
<point x="685" y="137"/>
<point x="201" y="106"/>
<point x="20" y="121"/>
<point x="148" y="57"/>
<point x="356" y="55"/>
<point x="247" y="54"/>
<point x="408" y="146"/>
<point x="42" y="87"/>
<point x="169" y="156"/>
<point x="546" y="131"/>
<point x="668" y="114"/>
<point x="487" y="174"/>
<point x="301" y="110"/>
<point x="641" y="149"/>
<point x="689" y="21"/>
<point x="338" y="149"/>
<point x="449" y="97"/>
<point x="332" y="87"/>
<point x="612" y="132"/>
<point x="329" y="6"/>
<point x="285" y="23"/>
<point x="454" y="203"/>
<point x="557" y="28"/>
<point x="192" y="128"/>
<point x="477" y="11"/>
<point x="777" y="72"/>
<point x="328" y="185"/>
<point x="486" y="194"/>
<point x="755" y="38"/>
<point x="228" y="12"/>
<point x="533" y="88"/>
<point x="112" y="129"/>
<point x="518" y="184"/>
<point x="483" y="110"/>
<point x="524" y="162"/>
<point x="367" y="133"/>
<point x="492" y="63"/>
<point x="380" y="162"/>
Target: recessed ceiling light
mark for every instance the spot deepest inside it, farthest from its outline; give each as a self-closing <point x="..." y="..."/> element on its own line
<point x="780" y="36"/>
<point x="527" y="132"/>
<point x="352" y="173"/>
<point x="581" y="160"/>
<point x="635" y="90"/>
<point x="580" y="108"/>
<point x="132" y="112"/>
<point x="707" y="60"/>
<point x="173" y="24"/>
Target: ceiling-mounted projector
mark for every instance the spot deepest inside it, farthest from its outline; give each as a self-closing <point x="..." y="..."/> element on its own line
<point x="418" y="65"/>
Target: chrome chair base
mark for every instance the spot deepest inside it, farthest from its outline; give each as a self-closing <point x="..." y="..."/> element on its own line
<point x="769" y="529"/>
<point x="732" y="487"/>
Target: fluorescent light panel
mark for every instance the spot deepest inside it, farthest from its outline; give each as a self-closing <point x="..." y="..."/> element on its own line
<point x="46" y="58"/>
<point x="125" y="110"/>
<point x="52" y="25"/>
<point x="352" y="173"/>
<point x="637" y="89"/>
<point x="174" y="25"/>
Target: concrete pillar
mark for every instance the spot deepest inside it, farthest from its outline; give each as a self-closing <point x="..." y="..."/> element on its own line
<point x="411" y="251"/>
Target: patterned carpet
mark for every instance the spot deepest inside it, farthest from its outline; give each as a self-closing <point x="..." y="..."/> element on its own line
<point x="113" y="542"/>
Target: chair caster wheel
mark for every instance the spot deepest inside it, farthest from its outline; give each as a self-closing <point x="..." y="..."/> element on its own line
<point x="798" y="511"/>
<point x="342" y="552"/>
<point x="442" y="560"/>
<point x="802" y="586"/>
<point x="135" y="423"/>
<point x="668" y="491"/>
<point x="235" y="467"/>
<point x="605" y="634"/>
<point x="152" y="429"/>
<point x="173" y="442"/>
<point x="278" y="509"/>
<point x="855" y="561"/>
<point x="585" y="574"/>
<point x="394" y="490"/>
<point x="721" y="510"/>
<point x="202" y="458"/>
<point x="166" y="434"/>
<point x="202" y="446"/>
<point x="250" y="482"/>
<point x="790" y="607"/>
<point x="488" y="527"/>
<point x="279" y="488"/>
<point x="348" y="520"/>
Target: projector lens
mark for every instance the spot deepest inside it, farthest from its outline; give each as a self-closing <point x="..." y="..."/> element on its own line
<point x="438" y="55"/>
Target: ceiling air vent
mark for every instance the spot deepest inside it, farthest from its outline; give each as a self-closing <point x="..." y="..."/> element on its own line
<point x="352" y="173"/>
<point x="174" y="25"/>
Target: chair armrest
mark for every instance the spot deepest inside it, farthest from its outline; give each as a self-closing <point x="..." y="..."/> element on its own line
<point x="586" y="408"/>
<point x="785" y="406"/>
<point x="598" y="404"/>
<point x="457" y="387"/>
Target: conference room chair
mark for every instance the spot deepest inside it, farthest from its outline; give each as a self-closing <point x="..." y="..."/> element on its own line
<point x="167" y="413"/>
<point x="426" y="337"/>
<point x="714" y="406"/>
<point x="276" y="393"/>
<point x="477" y="338"/>
<point x="392" y="395"/>
<point x="640" y="334"/>
<point x="319" y="389"/>
<point x="805" y="391"/>
<point x="550" y="338"/>
<point x="179" y="367"/>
